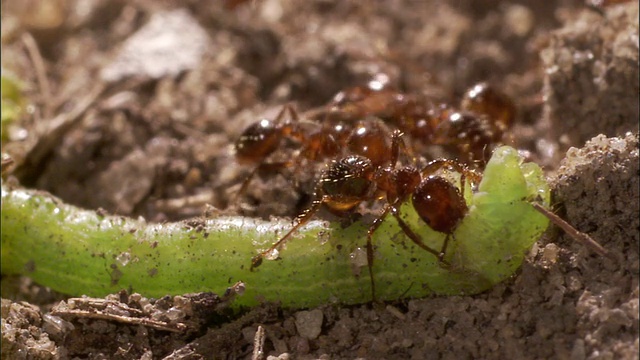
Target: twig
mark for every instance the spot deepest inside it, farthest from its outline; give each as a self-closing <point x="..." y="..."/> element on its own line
<point x="258" y="344"/>
<point x="53" y="135"/>
<point x="158" y="325"/>
<point x="41" y="73"/>
<point x="576" y="235"/>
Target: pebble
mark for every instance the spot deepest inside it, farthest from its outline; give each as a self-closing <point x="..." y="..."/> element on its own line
<point x="309" y="323"/>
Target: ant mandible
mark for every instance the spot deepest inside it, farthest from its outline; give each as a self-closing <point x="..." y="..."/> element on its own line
<point x="353" y="179"/>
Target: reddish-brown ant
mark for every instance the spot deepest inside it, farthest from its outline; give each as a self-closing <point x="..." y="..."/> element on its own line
<point x="368" y="138"/>
<point x="353" y="179"/>
<point x="484" y="116"/>
<point x="263" y="138"/>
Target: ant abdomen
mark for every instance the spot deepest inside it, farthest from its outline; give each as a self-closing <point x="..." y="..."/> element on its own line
<point x="347" y="182"/>
<point x="370" y="139"/>
<point x="471" y="133"/>
<point x="485" y="99"/>
<point x="258" y="141"/>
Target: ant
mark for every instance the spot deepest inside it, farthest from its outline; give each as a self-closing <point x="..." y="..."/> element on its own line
<point x="350" y="180"/>
<point x="367" y="137"/>
<point x="263" y="138"/>
<point x="484" y="115"/>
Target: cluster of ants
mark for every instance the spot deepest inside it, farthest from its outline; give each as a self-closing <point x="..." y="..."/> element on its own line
<point x="360" y="135"/>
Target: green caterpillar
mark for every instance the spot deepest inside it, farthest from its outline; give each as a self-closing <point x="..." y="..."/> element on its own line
<point x="79" y="252"/>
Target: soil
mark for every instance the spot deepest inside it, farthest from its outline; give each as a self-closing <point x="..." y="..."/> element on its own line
<point x="134" y="107"/>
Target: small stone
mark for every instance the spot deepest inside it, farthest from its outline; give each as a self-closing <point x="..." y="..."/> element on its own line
<point x="309" y="323"/>
<point x="550" y="253"/>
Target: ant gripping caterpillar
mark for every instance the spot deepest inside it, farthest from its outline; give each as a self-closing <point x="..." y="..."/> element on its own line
<point x="364" y="166"/>
<point x="353" y="179"/>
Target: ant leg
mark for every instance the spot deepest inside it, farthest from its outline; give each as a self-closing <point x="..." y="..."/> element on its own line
<point x="438" y="164"/>
<point x="301" y="220"/>
<point x="291" y="127"/>
<point x="415" y="237"/>
<point x="372" y="229"/>
<point x="443" y="251"/>
<point x="286" y="108"/>
<point x="261" y="167"/>
<point x="292" y="112"/>
<point x="396" y="143"/>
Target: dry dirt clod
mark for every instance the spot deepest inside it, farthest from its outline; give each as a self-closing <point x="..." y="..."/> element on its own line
<point x="599" y="189"/>
<point x="22" y="334"/>
<point x="309" y="323"/>
<point x="591" y="76"/>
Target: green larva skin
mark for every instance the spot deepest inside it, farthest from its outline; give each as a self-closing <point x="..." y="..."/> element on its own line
<point x="78" y="252"/>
